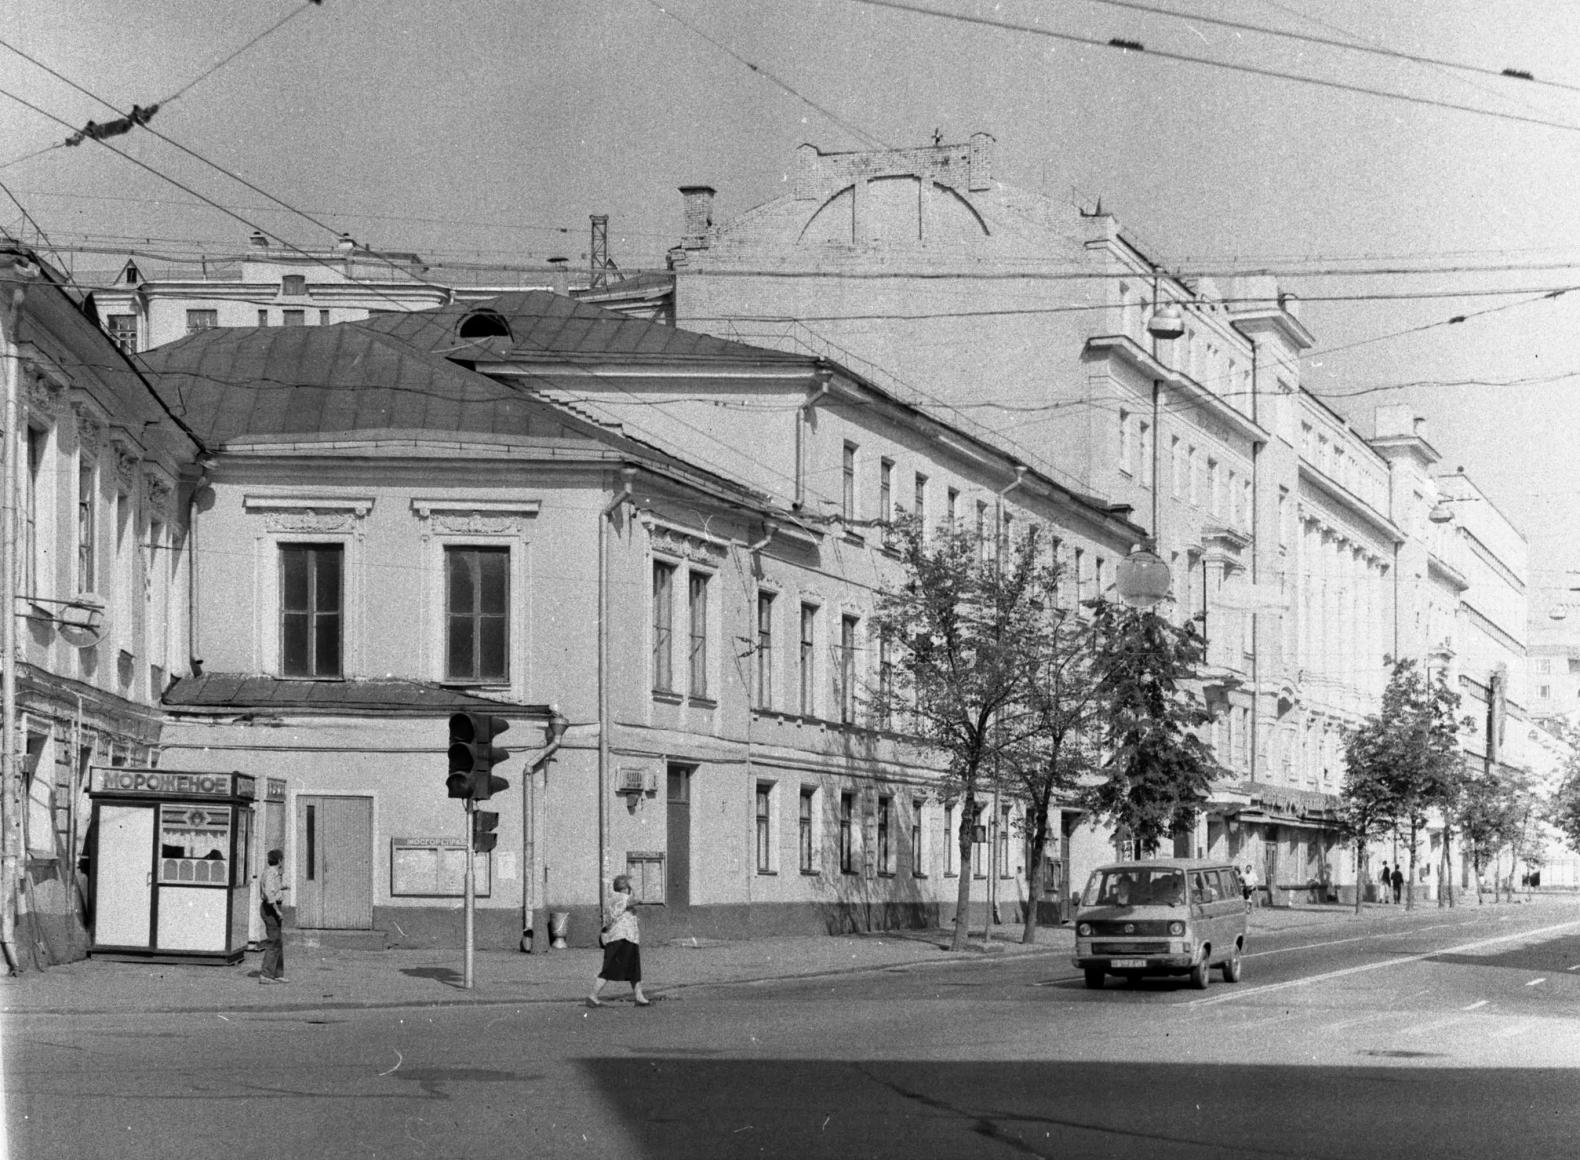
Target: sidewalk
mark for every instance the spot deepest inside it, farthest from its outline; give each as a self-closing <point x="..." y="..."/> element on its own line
<point x="324" y="977"/>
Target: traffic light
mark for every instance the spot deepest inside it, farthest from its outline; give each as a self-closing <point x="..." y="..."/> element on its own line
<point x="473" y="754"/>
<point x="484" y="823"/>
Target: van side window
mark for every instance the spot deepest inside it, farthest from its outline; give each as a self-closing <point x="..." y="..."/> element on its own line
<point x="1215" y="890"/>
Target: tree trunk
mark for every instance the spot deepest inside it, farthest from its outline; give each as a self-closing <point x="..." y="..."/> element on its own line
<point x="1036" y="867"/>
<point x="1409" y="879"/>
<point x="1475" y="868"/>
<point x="1445" y="886"/>
<point x="968" y="821"/>
<point x="1360" y="887"/>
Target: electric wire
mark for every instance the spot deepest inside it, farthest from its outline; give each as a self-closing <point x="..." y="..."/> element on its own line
<point x="1130" y="47"/>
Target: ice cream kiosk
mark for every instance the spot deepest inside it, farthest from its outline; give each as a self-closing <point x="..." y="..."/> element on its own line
<point x="172" y="863"/>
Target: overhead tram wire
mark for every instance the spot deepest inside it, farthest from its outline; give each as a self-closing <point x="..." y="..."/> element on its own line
<point x="199" y="157"/>
<point x="1522" y="75"/>
<point x="1139" y="50"/>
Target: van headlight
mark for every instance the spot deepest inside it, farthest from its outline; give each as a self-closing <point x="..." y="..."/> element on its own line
<point x="1176" y="929"/>
<point x="1084" y="929"/>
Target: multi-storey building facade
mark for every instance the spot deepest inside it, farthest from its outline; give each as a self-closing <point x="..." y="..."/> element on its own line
<point x="1303" y="549"/>
<point x="668" y="541"/>
<point x="102" y="582"/>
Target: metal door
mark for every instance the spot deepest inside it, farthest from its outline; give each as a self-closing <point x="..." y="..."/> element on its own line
<point x="123" y="875"/>
<point x="677" y="866"/>
<point x="334" y="863"/>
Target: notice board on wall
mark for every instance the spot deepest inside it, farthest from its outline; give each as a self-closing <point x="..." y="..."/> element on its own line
<point x="436" y="868"/>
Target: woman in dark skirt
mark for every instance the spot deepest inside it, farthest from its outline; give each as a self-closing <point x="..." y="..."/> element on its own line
<point x="622" y="952"/>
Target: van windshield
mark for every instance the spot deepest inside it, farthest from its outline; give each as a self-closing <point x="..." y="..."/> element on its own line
<point x="1135" y="886"/>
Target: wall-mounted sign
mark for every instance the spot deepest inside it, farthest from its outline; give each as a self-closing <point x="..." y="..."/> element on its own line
<point x="435" y="868"/>
<point x="107" y="779"/>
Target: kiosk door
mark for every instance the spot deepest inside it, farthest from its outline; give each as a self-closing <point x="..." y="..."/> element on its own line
<point x="124" y="876"/>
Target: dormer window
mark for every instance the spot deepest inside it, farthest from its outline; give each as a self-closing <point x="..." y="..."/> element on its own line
<point x="293" y="285"/>
<point x="484" y="324"/>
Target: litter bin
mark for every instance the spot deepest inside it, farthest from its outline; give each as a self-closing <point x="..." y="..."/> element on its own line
<point x="559" y="925"/>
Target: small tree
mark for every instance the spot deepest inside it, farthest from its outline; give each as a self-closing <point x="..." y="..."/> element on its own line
<point x="1366" y="811"/>
<point x="1407" y="754"/>
<point x="1058" y="753"/>
<point x="1158" y="771"/>
<point x="1563" y="809"/>
<point x="961" y="622"/>
<point x="1489" y="816"/>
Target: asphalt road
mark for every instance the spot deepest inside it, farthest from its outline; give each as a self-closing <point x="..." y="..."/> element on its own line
<point x="1447" y="1034"/>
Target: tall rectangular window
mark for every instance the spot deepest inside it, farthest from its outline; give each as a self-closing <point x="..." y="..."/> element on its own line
<point x="33" y="545"/>
<point x="293" y="285"/>
<point x="263" y="318"/>
<point x="804" y="834"/>
<point x="697" y="608"/>
<point x="885" y="676"/>
<point x="1125" y="452"/>
<point x="477" y="621"/>
<point x="310" y="609"/>
<point x="885" y="831"/>
<point x="951" y="840"/>
<point x="847" y="835"/>
<point x="1176" y="466"/>
<point x="663" y="627"/>
<point x="919" y="500"/>
<point x="804" y="660"/>
<point x="1144" y="452"/>
<point x="952" y="506"/>
<point x="1004" y="868"/>
<point x="765" y="650"/>
<point x="982" y="530"/>
<point x="1078" y="575"/>
<point x="847" y="495"/>
<point x="918" y="866"/>
<point x="293" y="318"/>
<point x="201" y="320"/>
<point x="1214" y="487"/>
<point x="87" y="525"/>
<point x="845" y="670"/>
<point x="764" y="828"/>
<point x="1193" y="476"/>
<point x="886" y="489"/>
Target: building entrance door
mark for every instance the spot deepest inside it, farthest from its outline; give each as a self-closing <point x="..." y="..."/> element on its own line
<point x="334" y="863"/>
<point x="677" y="874"/>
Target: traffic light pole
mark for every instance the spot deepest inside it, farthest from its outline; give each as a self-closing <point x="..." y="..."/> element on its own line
<point x="470" y="887"/>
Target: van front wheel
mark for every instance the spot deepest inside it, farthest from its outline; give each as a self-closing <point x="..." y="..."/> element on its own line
<point x="1198" y="974"/>
<point x="1094" y="978"/>
<point x="1232" y="967"/>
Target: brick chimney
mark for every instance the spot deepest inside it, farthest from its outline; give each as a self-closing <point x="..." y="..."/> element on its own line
<point x="560" y="279"/>
<point x="698" y="200"/>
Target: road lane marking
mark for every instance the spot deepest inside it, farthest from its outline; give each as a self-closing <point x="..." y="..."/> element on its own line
<point x="1477" y="1003"/>
<point x="1361" y="968"/>
<point x="1533" y="982"/>
<point x="1309" y="946"/>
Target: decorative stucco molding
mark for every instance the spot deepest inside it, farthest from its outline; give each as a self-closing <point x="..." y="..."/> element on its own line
<point x="475" y="517"/>
<point x="295" y="514"/>
<point x="684" y="543"/>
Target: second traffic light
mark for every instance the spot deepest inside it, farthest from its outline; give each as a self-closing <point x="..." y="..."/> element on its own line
<point x="484" y="823"/>
<point x="473" y="755"/>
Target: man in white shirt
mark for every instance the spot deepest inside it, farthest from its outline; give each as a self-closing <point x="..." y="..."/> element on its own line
<point x="273" y="907"/>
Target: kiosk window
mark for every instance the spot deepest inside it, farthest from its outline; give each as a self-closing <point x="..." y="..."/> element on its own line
<point x="194" y="844"/>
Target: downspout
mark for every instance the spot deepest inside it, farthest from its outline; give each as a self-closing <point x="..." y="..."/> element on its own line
<point x="628" y="476"/>
<point x="750" y="861"/>
<point x="530" y="879"/>
<point x="995" y="870"/>
<point x="1256" y="552"/>
<point x="194" y="653"/>
<point x="803" y="418"/>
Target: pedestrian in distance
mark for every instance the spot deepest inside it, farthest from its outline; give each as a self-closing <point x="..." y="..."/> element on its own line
<point x="621" y="939"/>
<point x="1249" y="879"/>
<point x="1398" y="885"/>
<point x="1384" y="886"/>
<point x="273" y="909"/>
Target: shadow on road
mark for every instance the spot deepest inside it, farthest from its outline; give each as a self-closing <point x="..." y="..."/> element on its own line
<point x="674" y="1105"/>
<point x="446" y="975"/>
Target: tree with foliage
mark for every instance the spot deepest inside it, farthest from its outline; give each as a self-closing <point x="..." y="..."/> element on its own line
<point x="1366" y="812"/>
<point x="963" y="621"/>
<point x="1158" y="771"/>
<point x="1058" y="754"/>
<point x="1489" y="817"/>
<point x="1563" y="809"/>
<point x="1407" y="754"/>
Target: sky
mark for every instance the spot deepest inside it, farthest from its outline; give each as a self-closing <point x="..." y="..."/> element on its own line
<point x="489" y="130"/>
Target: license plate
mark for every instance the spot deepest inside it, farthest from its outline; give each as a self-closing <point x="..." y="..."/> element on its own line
<point x="1127" y="964"/>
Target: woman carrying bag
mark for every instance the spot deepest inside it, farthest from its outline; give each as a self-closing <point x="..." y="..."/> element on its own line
<point x="622" y="954"/>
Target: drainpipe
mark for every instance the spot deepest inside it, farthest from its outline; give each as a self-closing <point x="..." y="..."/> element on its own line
<point x="803" y="418"/>
<point x="530" y="901"/>
<point x="628" y="477"/>
<point x="194" y="653"/>
<point x="19" y="270"/>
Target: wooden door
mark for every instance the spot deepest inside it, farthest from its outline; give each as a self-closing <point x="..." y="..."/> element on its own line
<point x="677" y="873"/>
<point x="334" y="863"/>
